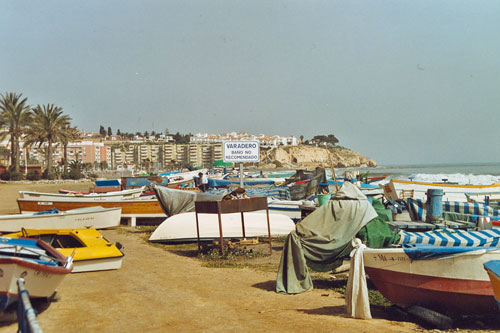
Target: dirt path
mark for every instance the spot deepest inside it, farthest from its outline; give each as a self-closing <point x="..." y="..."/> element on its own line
<point x="156" y="290"/>
<point x="159" y="291"/>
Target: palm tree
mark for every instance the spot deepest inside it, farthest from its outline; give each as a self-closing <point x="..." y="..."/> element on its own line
<point x="15" y="115"/>
<point x="68" y="134"/>
<point x="49" y="125"/>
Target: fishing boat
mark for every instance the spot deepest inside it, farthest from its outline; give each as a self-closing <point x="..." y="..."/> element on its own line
<point x="89" y="249"/>
<point x="489" y="198"/>
<point x="69" y="196"/>
<point x="449" y="279"/>
<point x="42" y="267"/>
<point x="395" y="189"/>
<point x="172" y="180"/>
<point x="142" y="207"/>
<point x="493" y="269"/>
<point x="89" y="217"/>
<point x="290" y="208"/>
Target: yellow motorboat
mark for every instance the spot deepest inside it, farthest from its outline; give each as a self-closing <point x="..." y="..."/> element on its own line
<point x="90" y="250"/>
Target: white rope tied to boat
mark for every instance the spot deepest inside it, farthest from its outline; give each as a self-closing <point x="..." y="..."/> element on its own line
<point x="357" y="302"/>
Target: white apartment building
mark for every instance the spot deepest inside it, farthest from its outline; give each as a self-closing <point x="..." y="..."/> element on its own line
<point x="265" y="141"/>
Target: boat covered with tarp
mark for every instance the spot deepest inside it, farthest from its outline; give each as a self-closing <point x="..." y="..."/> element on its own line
<point x="322" y="240"/>
<point x="174" y="201"/>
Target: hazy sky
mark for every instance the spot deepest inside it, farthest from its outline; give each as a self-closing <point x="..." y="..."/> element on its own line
<point x="402" y="82"/>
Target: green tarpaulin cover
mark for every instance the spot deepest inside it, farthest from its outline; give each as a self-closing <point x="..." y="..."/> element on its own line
<point x="322" y="239"/>
<point x="221" y="163"/>
<point x="377" y="233"/>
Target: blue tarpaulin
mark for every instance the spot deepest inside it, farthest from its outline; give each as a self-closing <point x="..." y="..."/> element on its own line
<point x="223" y="182"/>
<point x="108" y="182"/>
<point x="47" y="212"/>
<point x="276" y="192"/>
<point x="144" y="181"/>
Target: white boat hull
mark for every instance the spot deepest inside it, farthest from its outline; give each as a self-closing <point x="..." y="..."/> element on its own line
<point x="183" y="226"/>
<point x="38" y="283"/>
<point x="91" y="217"/>
<point x="97" y="264"/>
<point x="289" y="208"/>
<point x="119" y="195"/>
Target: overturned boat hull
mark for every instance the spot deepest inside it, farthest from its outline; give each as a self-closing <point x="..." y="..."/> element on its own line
<point x="182" y="227"/>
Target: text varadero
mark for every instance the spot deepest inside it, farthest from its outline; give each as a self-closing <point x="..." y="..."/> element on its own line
<point x="241" y="145"/>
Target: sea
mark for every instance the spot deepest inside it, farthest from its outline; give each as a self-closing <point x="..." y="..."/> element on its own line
<point x="469" y="173"/>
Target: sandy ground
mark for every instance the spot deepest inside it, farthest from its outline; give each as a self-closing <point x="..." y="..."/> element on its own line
<point x="160" y="291"/>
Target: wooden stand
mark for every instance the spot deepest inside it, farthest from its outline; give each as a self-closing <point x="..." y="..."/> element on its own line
<point x="232" y="206"/>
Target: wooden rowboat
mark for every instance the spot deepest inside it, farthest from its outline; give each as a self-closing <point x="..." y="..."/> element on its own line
<point x="119" y="195"/>
<point x="88" y="217"/>
<point x="456" y="283"/>
<point x="42" y="267"/>
<point x="493" y="269"/>
<point x="147" y="207"/>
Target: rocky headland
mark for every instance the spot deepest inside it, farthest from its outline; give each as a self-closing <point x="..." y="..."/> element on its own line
<point x="309" y="157"/>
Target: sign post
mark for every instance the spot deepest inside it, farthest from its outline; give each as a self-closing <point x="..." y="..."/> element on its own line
<point x="241" y="151"/>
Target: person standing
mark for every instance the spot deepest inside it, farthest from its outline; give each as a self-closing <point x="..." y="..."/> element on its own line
<point x="203" y="182"/>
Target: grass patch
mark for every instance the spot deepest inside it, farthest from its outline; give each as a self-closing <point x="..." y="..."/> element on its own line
<point x="338" y="284"/>
<point x="231" y="258"/>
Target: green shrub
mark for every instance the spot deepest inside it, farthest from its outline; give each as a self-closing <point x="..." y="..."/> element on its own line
<point x="16" y="175"/>
<point x="5" y="175"/>
<point x="48" y="175"/>
<point x="33" y="175"/>
<point x="75" y="174"/>
<point x="12" y="175"/>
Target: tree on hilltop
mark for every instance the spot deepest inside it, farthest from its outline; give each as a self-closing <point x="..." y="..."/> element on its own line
<point x="102" y="131"/>
<point x="15" y="115"/>
<point x="110" y="133"/>
<point x="322" y="139"/>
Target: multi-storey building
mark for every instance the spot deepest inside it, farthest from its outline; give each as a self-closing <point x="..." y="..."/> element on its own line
<point x="265" y="141"/>
<point x="84" y="152"/>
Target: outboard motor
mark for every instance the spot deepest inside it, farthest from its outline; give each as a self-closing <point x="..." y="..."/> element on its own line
<point x="484" y="223"/>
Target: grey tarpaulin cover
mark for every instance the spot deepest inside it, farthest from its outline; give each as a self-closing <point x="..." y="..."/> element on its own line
<point x="179" y="201"/>
<point x="321" y="238"/>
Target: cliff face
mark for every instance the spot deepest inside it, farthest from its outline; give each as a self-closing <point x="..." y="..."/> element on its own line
<point x="308" y="157"/>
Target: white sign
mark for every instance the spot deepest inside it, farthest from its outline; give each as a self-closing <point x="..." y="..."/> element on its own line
<point x="241" y="151"/>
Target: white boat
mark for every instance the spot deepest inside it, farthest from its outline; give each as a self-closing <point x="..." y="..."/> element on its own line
<point x="183" y="178"/>
<point x="90" y="217"/>
<point x="118" y="195"/>
<point x="42" y="267"/>
<point x="182" y="227"/>
<point x="290" y="208"/>
<point x="492" y="198"/>
<point x="452" y="192"/>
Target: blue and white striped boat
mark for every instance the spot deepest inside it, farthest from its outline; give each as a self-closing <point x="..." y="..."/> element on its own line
<point x="452" y="238"/>
<point x="416" y="208"/>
